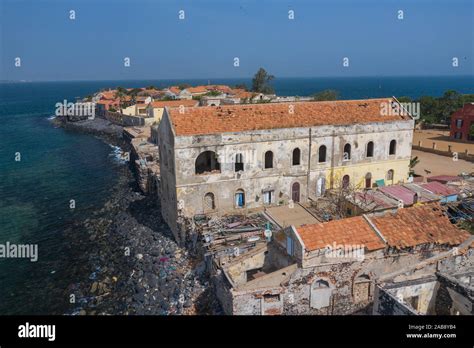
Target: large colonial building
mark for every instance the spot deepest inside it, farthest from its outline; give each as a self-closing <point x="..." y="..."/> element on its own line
<point x="241" y="157"/>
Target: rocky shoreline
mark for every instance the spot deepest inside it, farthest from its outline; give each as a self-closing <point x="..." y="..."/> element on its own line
<point x="124" y="260"/>
<point x="100" y="127"/>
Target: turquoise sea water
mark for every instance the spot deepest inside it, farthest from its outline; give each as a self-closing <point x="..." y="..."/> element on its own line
<point x="58" y="165"/>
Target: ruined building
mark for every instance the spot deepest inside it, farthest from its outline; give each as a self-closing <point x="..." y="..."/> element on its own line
<point x="217" y="160"/>
<point x="412" y="261"/>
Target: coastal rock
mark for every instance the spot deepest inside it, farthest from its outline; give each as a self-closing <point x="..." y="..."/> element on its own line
<point x="154" y="275"/>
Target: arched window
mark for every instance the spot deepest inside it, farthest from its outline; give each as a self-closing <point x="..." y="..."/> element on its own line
<point x="393" y="147"/>
<point x="296" y="157"/>
<point x="361" y="288"/>
<point x="390" y="175"/>
<point x="368" y="180"/>
<point x="347" y="152"/>
<point x="345" y="182"/>
<point x="239" y="198"/>
<point x="322" y="154"/>
<point x="268" y="159"/>
<point x="209" y="202"/>
<point x="321" y="291"/>
<point x="370" y="149"/>
<point x="239" y="162"/>
<point x="207" y="162"/>
<point x="320" y="284"/>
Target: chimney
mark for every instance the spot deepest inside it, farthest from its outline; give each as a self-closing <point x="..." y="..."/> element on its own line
<point x="415" y="198"/>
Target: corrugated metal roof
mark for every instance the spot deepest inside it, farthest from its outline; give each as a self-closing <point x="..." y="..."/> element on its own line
<point x="399" y="193"/>
<point x="374" y="200"/>
<point x="439" y="189"/>
<point x="443" y="178"/>
<point x="423" y="195"/>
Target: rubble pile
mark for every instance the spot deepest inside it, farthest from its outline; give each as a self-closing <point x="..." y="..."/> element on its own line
<point x="147" y="167"/>
<point x="232" y="235"/>
<point x="134" y="266"/>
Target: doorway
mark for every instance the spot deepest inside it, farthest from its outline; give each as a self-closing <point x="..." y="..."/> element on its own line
<point x="295" y="192"/>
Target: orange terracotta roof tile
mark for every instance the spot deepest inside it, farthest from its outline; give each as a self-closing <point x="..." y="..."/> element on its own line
<point x="417" y="225"/>
<point x="220" y="88"/>
<point x="238" y="118"/>
<point x="174" y="103"/>
<point x="351" y="231"/>
<point x="108" y="101"/>
<point x="197" y="89"/>
<point x="108" y="94"/>
<point x="175" y="89"/>
<point x="241" y="93"/>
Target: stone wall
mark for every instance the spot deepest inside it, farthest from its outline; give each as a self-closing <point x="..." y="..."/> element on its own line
<point x="255" y="179"/>
<point x="386" y="304"/>
<point x="351" y="285"/>
<point x="454" y="297"/>
<point x="168" y="198"/>
<point x="127" y="120"/>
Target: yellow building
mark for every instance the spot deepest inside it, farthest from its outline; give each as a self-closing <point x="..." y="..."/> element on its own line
<point x="155" y="109"/>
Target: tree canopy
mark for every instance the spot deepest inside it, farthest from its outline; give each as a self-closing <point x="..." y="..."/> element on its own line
<point x="261" y="82"/>
<point x="440" y="109"/>
<point x="327" y="94"/>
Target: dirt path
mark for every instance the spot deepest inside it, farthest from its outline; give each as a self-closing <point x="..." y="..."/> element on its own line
<point x="440" y="165"/>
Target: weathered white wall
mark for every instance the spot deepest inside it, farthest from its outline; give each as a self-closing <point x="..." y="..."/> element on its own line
<point x="190" y="188"/>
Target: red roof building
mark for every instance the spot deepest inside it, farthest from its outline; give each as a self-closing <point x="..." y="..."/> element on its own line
<point x="241" y="118"/>
<point x="461" y="123"/>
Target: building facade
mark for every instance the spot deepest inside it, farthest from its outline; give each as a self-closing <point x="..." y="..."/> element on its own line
<point x="335" y="268"/>
<point x="462" y="123"/>
<point x="244" y="157"/>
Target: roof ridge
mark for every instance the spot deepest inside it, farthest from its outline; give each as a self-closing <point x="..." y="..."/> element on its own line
<point x="375" y="229"/>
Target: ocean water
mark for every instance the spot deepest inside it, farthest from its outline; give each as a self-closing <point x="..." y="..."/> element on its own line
<point x="58" y="165"/>
<point x="55" y="167"/>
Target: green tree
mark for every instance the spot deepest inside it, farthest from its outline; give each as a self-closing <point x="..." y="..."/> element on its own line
<point x="413" y="162"/>
<point x="213" y="93"/>
<point x="467" y="98"/>
<point x="120" y="90"/>
<point x="450" y="102"/>
<point x="120" y="93"/>
<point x="429" y="109"/>
<point x="405" y="99"/>
<point x="327" y="94"/>
<point x="134" y="91"/>
<point x="261" y="82"/>
<point x="184" y="85"/>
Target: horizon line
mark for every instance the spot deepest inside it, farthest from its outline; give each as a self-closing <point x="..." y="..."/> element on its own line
<point x="230" y="78"/>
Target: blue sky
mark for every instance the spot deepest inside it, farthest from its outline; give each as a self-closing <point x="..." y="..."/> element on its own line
<point x="214" y="32"/>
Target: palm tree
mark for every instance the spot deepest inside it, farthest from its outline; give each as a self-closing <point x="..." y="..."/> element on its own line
<point x="413" y="162"/>
<point x="120" y="94"/>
